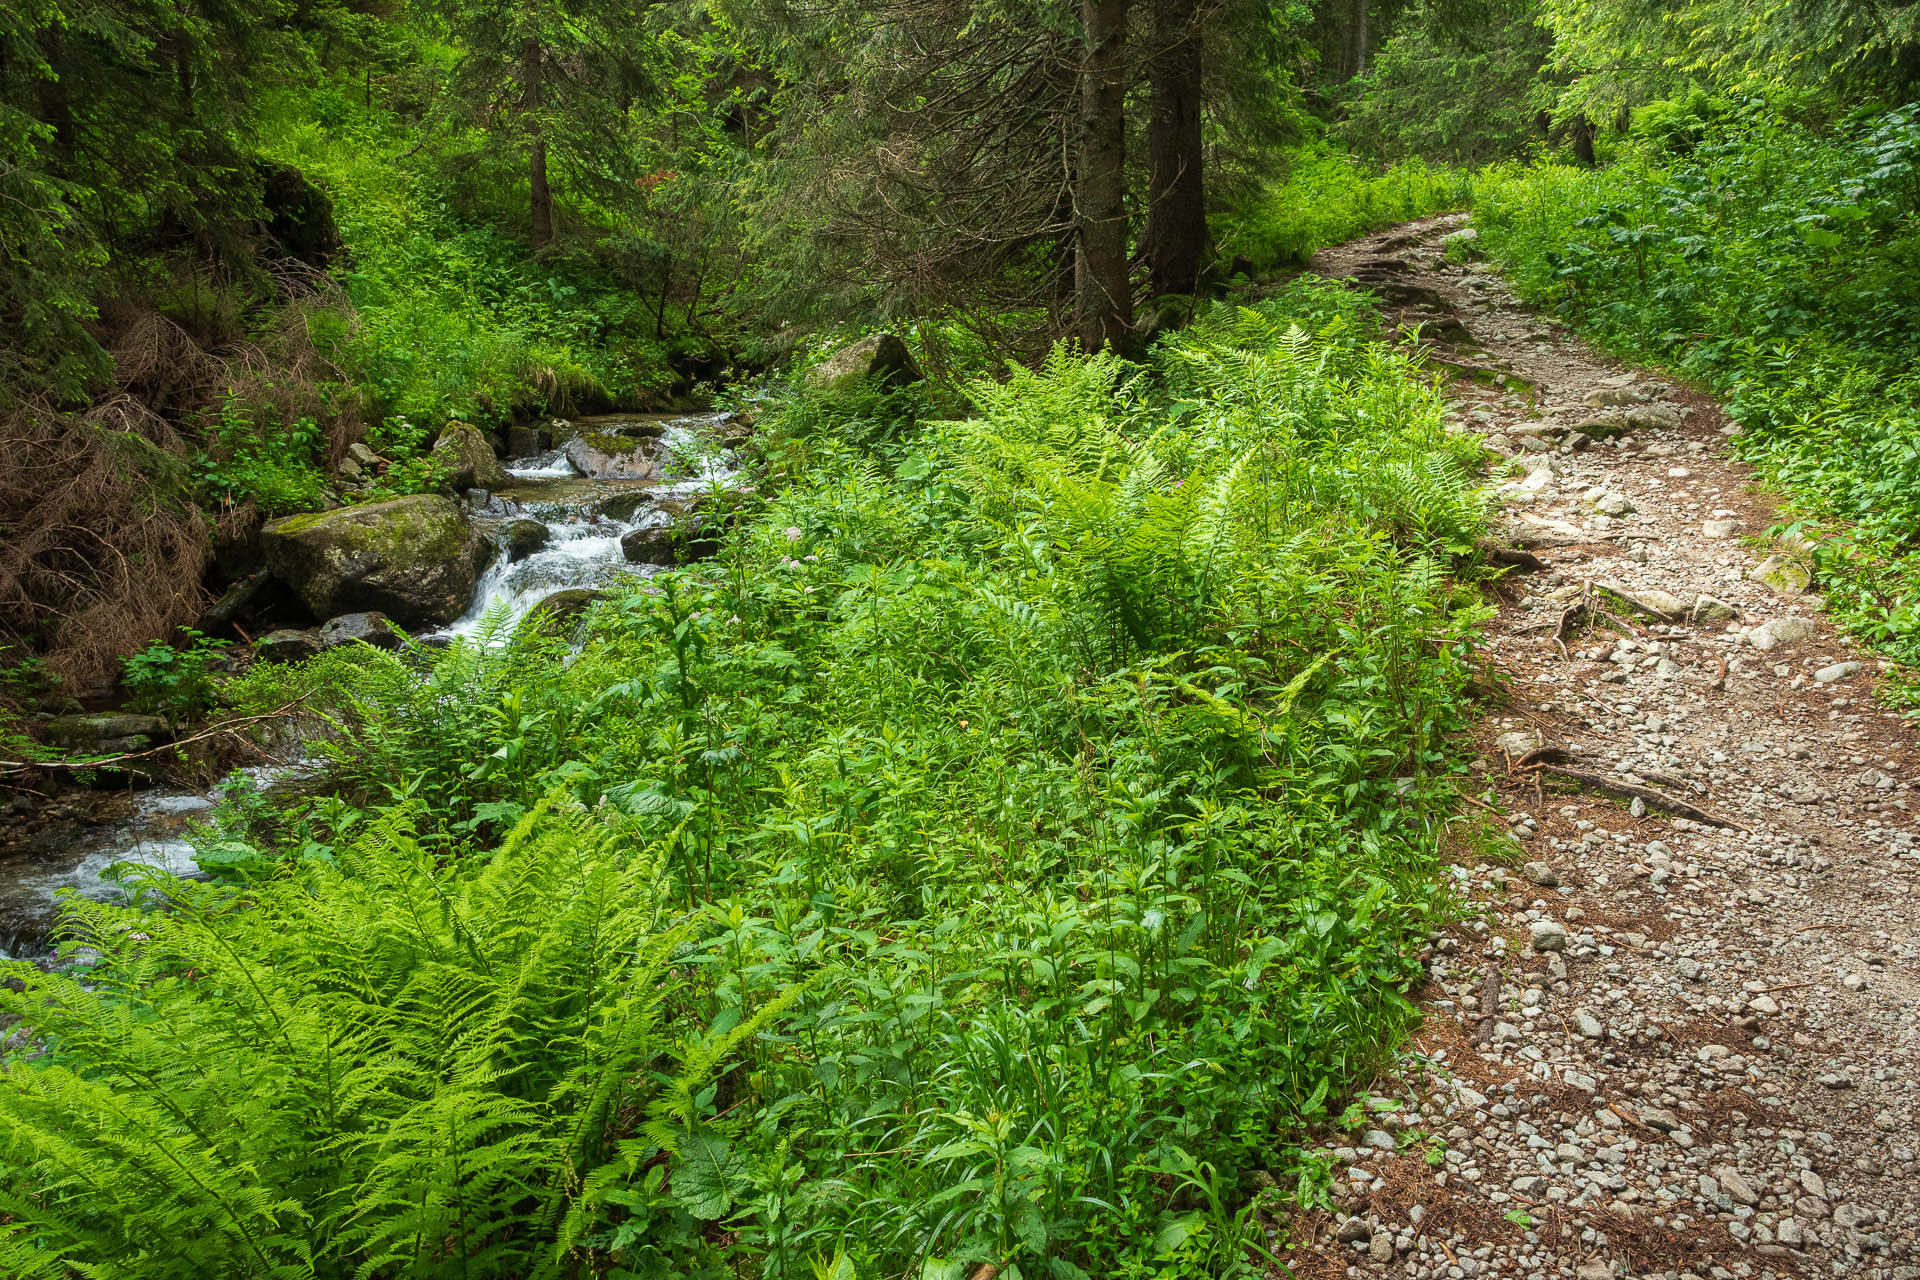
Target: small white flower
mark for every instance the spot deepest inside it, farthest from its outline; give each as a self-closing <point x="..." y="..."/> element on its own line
<point x="793" y="533"/>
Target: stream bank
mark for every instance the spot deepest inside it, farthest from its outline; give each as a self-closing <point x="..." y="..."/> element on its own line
<point x="551" y="532"/>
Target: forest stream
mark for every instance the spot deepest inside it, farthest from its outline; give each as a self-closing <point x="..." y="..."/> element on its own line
<point x="91" y="845"/>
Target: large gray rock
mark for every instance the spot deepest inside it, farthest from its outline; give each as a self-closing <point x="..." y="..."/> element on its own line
<point x="523" y="442"/>
<point x="609" y="457"/>
<point x="371" y="627"/>
<point x="1785" y="630"/>
<point x="524" y="537"/>
<point x="468" y="460"/>
<point x="562" y="611"/>
<point x="694" y="535"/>
<point x="287" y="645"/>
<point x="1785" y="575"/>
<point x="650" y="545"/>
<point x="882" y="358"/>
<point x="414" y="558"/>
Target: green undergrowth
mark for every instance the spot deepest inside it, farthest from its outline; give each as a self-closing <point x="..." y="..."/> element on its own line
<point x="452" y="316"/>
<point x="1775" y="264"/>
<point x="1001" y="853"/>
<point x="1328" y="198"/>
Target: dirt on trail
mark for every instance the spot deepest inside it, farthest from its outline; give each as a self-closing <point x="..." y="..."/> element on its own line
<point x="1680" y="1035"/>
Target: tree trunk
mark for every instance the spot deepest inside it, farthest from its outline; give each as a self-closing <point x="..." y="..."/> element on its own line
<point x="531" y="73"/>
<point x="1104" y="301"/>
<point x="1583" y="140"/>
<point x="1357" y="39"/>
<point x="1176" y="231"/>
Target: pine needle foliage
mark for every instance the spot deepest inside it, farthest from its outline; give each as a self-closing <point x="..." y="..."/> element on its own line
<point x="378" y="1066"/>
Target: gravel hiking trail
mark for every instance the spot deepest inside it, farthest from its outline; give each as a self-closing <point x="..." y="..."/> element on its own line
<point x="1679" y="1035"/>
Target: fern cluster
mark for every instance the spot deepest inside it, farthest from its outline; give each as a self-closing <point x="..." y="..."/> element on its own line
<point x="379" y="1067"/>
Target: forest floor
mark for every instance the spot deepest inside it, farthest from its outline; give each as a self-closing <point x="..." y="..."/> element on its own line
<point x="1670" y="1045"/>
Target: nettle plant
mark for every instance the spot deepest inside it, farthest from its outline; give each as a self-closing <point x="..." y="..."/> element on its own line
<point x="174" y="682"/>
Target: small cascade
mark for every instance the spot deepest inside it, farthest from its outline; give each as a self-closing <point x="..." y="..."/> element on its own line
<point x="586" y="519"/>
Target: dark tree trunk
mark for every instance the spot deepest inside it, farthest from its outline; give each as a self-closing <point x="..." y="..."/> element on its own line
<point x="1176" y="231"/>
<point x="1104" y="301"/>
<point x="542" y="196"/>
<point x="183" y="73"/>
<point x="1583" y="140"/>
<point x="1357" y="39"/>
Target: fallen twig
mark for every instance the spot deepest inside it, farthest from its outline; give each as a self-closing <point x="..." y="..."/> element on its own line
<point x="1489" y="1005"/>
<point x="1518" y="558"/>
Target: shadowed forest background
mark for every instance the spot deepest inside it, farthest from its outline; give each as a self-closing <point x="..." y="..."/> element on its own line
<point x="239" y="239"/>
<point x="1011" y="816"/>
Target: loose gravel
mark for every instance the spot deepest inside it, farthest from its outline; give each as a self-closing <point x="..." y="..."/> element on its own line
<point x="1673" y="1046"/>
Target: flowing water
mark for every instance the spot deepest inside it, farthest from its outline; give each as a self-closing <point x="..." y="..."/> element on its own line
<point x="84" y="854"/>
<point x="585" y="520"/>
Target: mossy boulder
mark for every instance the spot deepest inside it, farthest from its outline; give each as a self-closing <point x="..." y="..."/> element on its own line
<point x="882" y="358"/>
<point x="652" y="544"/>
<point x="1783" y="575"/>
<point x="561" y="612"/>
<point x="415" y="558"/>
<point x="108" y="733"/>
<point x="359" y="628"/>
<point x="693" y="535"/>
<point x="291" y="644"/>
<point x="468" y="460"/>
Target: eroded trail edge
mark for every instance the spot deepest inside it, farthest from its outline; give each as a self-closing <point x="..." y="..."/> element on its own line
<point x="1666" y="1047"/>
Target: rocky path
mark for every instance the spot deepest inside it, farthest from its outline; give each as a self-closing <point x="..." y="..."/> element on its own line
<point x="1677" y="1039"/>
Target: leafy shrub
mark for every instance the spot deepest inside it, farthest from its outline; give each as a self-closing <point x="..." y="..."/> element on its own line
<point x="275" y="466"/>
<point x="175" y="683"/>
<point x="1675" y="126"/>
<point x="419" y="474"/>
<point x="1774" y="263"/>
